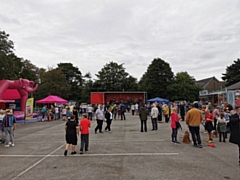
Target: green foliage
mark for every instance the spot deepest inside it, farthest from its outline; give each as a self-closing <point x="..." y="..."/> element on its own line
<point x="183" y="88"/>
<point x="6" y="45"/>
<point x="158" y="77"/>
<point x="73" y="77"/>
<point x="113" y="77"/>
<point x="53" y="83"/>
<point x="232" y="74"/>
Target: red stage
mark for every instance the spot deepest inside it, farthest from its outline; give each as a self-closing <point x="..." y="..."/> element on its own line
<point x="125" y="97"/>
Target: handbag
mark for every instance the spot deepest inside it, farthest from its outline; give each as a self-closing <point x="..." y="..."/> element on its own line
<point x="178" y="125"/>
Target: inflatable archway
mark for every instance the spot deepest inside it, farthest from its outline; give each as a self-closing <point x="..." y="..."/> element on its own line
<point x="23" y="86"/>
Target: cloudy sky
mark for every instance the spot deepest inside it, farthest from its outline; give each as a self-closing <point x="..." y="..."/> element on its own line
<point x="200" y="37"/>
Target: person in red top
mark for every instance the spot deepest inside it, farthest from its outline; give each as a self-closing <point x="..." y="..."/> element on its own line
<point x="174" y="119"/>
<point x="85" y="124"/>
<point x="209" y="125"/>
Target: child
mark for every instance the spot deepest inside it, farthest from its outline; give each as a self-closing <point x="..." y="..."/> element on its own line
<point x="222" y="127"/>
<point x="174" y="120"/>
<point x="85" y="124"/>
<point x="227" y="117"/>
<point x="71" y="128"/>
<point x="9" y="125"/>
<point x="209" y="125"/>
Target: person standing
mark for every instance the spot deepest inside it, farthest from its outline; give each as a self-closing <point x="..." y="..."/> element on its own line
<point x="235" y="129"/>
<point x="143" y="114"/>
<point x="182" y="111"/>
<point x="174" y="120"/>
<point x="99" y="117"/>
<point x="166" y="113"/>
<point x="75" y="113"/>
<point x="216" y="114"/>
<point x="44" y="112"/>
<point x="123" y="110"/>
<point x="90" y="111"/>
<point x="221" y="127"/>
<point x="159" y="112"/>
<point x="209" y="126"/>
<point x="136" y="108"/>
<point x="133" y="109"/>
<point x="193" y="120"/>
<point x="154" y="116"/>
<point x="71" y="128"/>
<point x="9" y="125"/>
<point x="109" y="118"/>
<point x="84" y="125"/>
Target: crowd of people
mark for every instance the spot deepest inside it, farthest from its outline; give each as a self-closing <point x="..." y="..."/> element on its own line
<point x="219" y="120"/>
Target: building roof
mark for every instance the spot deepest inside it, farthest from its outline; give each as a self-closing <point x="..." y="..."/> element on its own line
<point x="204" y="82"/>
<point x="234" y="86"/>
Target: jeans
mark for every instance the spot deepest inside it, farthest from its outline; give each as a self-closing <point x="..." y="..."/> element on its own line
<point x="9" y="135"/>
<point x="123" y="116"/>
<point x="99" y="125"/>
<point x="90" y="115"/>
<point x="143" y="123"/>
<point x="174" y="134"/>
<point x="84" y="142"/>
<point x="108" y="127"/>
<point x="154" y="124"/>
<point x="195" y="134"/>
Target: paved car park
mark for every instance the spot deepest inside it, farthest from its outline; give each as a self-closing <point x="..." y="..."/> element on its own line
<point x="124" y="154"/>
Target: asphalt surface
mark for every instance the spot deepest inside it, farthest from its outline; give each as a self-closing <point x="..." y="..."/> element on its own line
<point x="124" y="154"/>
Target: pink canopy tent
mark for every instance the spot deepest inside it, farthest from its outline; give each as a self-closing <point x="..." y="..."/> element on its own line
<point x="51" y="99"/>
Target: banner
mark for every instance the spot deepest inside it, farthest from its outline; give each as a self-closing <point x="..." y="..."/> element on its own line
<point x="29" y="109"/>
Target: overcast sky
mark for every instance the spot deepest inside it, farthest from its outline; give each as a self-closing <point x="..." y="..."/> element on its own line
<point x="200" y="37"/>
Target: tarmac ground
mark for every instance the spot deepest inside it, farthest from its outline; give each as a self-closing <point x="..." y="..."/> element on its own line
<point x="124" y="154"/>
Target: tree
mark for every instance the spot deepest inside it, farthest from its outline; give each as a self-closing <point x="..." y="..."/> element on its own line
<point x="113" y="77"/>
<point x="87" y="87"/>
<point x="158" y="77"/>
<point x="53" y="82"/>
<point x="6" y="45"/>
<point x="232" y="74"/>
<point x="73" y="76"/>
<point x="183" y="88"/>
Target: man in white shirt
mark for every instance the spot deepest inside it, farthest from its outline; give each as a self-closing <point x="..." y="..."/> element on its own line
<point x="99" y="117"/>
<point x="154" y="116"/>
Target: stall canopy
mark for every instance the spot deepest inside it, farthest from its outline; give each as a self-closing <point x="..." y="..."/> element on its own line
<point x="159" y="100"/>
<point x="51" y="99"/>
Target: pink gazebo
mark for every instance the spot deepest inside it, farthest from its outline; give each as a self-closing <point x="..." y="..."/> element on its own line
<point x="51" y="99"/>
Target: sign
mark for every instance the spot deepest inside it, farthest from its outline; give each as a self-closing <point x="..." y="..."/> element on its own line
<point x="203" y="93"/>
<point x="29" y="109"/>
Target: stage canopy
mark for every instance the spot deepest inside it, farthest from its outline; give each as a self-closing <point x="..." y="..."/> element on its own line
<point x="159" y="100"/>
<point x="51" y="99"/>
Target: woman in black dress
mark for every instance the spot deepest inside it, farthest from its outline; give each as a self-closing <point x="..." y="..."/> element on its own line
<point x="72" y="130"/>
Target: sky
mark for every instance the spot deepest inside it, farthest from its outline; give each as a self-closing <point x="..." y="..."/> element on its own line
<point x="200" y="37"/>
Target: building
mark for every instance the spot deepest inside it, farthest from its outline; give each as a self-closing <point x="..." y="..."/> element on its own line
<point x="212" y="90"/>
<point x="211" y="84"/>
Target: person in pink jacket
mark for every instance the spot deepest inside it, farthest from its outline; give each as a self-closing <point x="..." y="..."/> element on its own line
<point x="174" y="119"/>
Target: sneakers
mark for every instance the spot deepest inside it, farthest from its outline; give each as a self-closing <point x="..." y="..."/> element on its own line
<point x="195" y="145"/>
<point x="6" y="146"/>
<point x="200" y="146"/>
<point x="12" y="145"/>
<point x="65" y="153"/>
<point x="74" y="152"/>
<point x="81" y="152"/>
<point x="176" y="142"/>
<point x="210" y="141"/>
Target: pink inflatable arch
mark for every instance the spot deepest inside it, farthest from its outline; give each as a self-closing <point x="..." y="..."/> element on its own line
<point x="23" y="86"/>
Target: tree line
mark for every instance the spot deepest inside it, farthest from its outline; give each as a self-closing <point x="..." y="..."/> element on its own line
<point x="67" y="81"/>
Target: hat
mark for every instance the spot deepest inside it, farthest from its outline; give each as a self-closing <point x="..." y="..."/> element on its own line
<point x="237" y="107"/>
